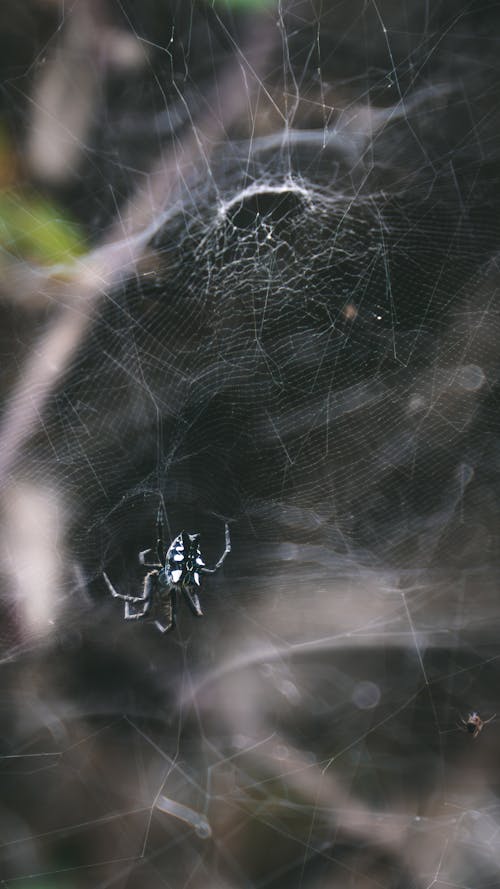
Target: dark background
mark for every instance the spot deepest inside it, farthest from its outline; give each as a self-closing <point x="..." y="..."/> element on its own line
<point x="249" y="271"/>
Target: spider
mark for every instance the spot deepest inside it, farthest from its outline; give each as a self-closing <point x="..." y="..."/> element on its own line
<point x="474" y="724"/>
<point x="178" y="569"/>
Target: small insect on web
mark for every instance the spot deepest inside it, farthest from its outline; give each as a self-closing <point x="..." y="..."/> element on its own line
<point x="474" y="724"/>
<point x="178" y="569"/>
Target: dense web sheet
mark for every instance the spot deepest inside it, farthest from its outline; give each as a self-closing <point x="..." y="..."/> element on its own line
<point x="285" y="318"/>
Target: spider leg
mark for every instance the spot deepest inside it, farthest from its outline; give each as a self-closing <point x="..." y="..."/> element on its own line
<point x="147" y="564"/>
<point x="149" y="587"/>
<point x="170" y="613"/>
<point x="136" y="615"/>
<point x="120" y="595"/>
<point x="226" y="552"/>
<point x="486" y="721"/>
<point x="193" y="601"/>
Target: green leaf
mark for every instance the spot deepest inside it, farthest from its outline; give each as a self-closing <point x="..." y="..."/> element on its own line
<point x="34" y="229"/>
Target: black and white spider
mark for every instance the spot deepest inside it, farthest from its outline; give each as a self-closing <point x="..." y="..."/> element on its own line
<point x="179" y="569"/>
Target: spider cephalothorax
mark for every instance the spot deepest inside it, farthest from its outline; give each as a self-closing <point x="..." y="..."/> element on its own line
<point x="179" y="569"/>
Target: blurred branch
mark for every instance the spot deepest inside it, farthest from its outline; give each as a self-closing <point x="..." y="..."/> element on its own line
<point x="95" y="274"/>
<point x="70" y="87"/>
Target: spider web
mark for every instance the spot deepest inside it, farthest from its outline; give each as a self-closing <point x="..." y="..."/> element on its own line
<point x="285" y="319"/>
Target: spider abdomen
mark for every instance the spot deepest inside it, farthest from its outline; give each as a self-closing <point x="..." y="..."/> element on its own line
<point x="184" y="560"/>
